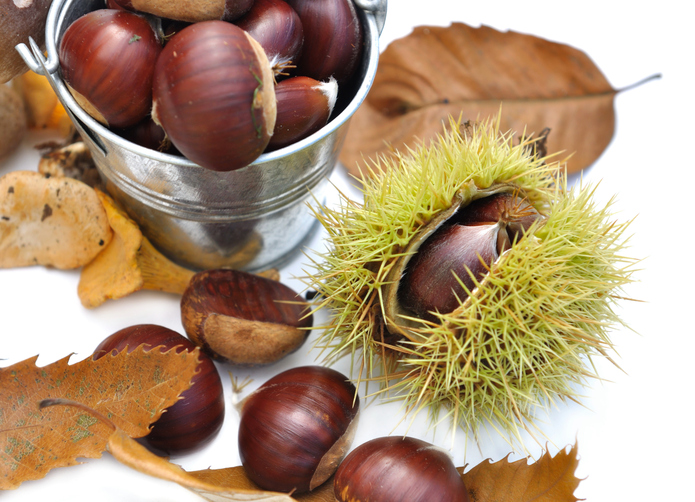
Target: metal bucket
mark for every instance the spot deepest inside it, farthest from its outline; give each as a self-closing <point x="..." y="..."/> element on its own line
<point x="251" y="219"/>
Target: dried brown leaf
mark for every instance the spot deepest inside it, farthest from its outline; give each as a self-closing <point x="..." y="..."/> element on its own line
<point x="477" y="73"/>
<point x="128" y="264"/>
<point x="232" y="485"/>
<point x="215" y="485"/>
<point x="549" y="479"/>
<point x="132" y="389"/>
<point x="235" y="477"/>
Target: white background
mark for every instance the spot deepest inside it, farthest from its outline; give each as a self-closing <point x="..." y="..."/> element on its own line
<point x="634" y="431"/>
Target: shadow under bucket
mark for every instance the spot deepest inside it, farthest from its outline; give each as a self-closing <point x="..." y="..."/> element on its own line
<point x="253" y="218"/>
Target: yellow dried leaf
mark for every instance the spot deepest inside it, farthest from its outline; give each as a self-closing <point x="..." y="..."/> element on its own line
<point x="39" y="98"/>
<point x="56" y="222"/>
<point x="549" y="479"/>
<point x="135" y="456"/>
<point x="129" y="263"/>
<point x="132" y="389"/>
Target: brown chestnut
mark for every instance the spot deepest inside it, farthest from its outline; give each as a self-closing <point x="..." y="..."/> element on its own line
<point x="390" y="469"/>
<point x="460" y="254"/>
<point x="304" y="106"/>
<point x="277" y="27"/>
<point x="146" y="133"/>
<point x="242" y="318"/>
<point x="214" y="95"/>
<point x="332" y="38"/>
<point x="197" y="417"/>
<point x="190" y="10"/>
<point x="107" y="59"/>
<point x="296" y="428"/>
<point x="113" y="4"/>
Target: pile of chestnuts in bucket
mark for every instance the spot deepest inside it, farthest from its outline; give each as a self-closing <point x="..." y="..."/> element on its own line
<point x="218" y="82"/>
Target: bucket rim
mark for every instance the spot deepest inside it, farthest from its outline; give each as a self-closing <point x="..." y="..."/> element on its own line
<point x="373" y="14"/>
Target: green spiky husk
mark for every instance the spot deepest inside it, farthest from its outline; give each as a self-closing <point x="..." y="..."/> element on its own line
<point x="526" y="336"/>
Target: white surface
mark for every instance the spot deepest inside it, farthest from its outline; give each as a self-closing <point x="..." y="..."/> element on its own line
<point x="634" y="431"/>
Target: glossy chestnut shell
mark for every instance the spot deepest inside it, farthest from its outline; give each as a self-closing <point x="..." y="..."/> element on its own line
<point x="304" y="106"/>
<point x="214" y="95"/>
<point x="297" y="427"/>
<point x="197" y="417"/>
<point x="459" y="254"/>
<point x="115" y="4"/>
<point x="393" y="469"/>
<point x="242" y="318"/>
<point x="146" y="133"/>
<point x="277" y="27"/>
<point x="332" y="39"/>
<point x="107" y="59"/>
<point x="189" y="10"/>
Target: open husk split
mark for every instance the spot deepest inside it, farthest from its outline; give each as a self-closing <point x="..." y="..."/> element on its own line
<point x="524" y="336"/>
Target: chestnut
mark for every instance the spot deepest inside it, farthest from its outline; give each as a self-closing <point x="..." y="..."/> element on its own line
<point x="214" y="96"/>
<point x="243" y="318"/>
<point x="113" y="4"/>
<point x="277" y="27"/>
<point x="390" y="469"/>
<point x="296" y="428"/>
<point x="304" y="106"/>
<point x="146" y="133"/>
<point x="197" y="417"/>
<point x="458" y="255"/>
<point x="170" y="27"/>
<point x="332" y="38"/>
<point x="189" y="10"/>
<point x="107" y="59"/>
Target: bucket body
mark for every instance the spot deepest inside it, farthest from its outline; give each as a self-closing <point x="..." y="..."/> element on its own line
<point x="251" y="219"/>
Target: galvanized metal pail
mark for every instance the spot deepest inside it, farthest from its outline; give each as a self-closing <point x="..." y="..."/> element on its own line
<point x="251" y="219"/>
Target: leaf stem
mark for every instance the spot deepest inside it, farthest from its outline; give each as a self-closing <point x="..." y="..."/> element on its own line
<point x="45" y="403"/>
<point x="641" y="82"/>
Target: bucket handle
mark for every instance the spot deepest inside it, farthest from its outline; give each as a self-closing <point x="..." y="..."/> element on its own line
<point x="377" y="8"/>
<point x="38" y="66"/>
<point x="51" y="64"/>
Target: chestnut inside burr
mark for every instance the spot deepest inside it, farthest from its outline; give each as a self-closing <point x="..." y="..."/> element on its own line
<point x="459" y="254"/>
